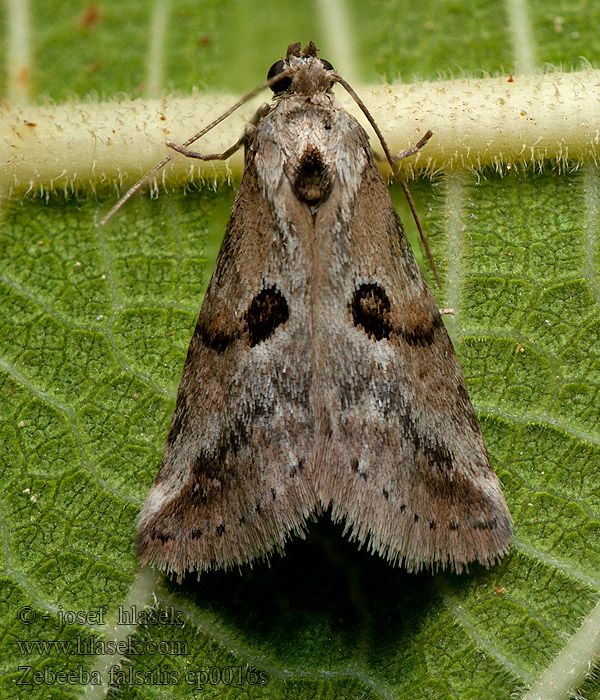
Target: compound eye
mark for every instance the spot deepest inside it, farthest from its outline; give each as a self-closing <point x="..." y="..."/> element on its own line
<point x="279" y="85"/>
<point x="326" y="64"/>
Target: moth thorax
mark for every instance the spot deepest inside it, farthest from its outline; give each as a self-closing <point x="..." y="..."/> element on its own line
<point x="312" y="179"/>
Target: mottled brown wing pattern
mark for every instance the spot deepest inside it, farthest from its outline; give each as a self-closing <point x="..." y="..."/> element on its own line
<point x="320" y="374"/>
<point x="233" y="483"/>
<point x="407" y="467"/>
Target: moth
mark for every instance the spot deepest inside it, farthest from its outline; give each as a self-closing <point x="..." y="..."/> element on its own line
<point x="320" y="375"/>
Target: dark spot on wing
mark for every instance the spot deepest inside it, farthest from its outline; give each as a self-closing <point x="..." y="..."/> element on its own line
<point x="370" y="307"/>
<point x="437" y="452"/>
<point x="161" y="536"/>
<point x="441" y="477"/>
<point x="268" y="310"/>
<point x="312" y="180"/>
<point x="431" y="447"/>
<point x="210" y="475"/>
<point x="221" y="530"/>
<point x="423" y="334"/>
<point x="209" y="466"/>
<point x="486" y="525"/>
<point x="239" y="435"/>
<point x="210" y="334"/>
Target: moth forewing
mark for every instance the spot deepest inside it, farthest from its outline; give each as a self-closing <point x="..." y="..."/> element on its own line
<point x="235" y="464"/>
<point x="320" y="374"/>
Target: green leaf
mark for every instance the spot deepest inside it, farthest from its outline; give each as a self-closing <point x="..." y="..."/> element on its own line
<point x="95" y="323"/>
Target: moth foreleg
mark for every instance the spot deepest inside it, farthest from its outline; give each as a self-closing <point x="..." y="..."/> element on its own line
<point x="261" y="112"/>
<point x="413" y="149"/>
<point x="408" y="152"/>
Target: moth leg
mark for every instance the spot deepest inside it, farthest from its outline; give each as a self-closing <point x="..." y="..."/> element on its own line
<point x="207" y="156"/>
<point x="261" y="112"/>
<point x="417" y="147"/>
<point x="408" y="152"/>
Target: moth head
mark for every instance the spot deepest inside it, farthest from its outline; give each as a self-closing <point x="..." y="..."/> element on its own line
<point x="301" y="71"/>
